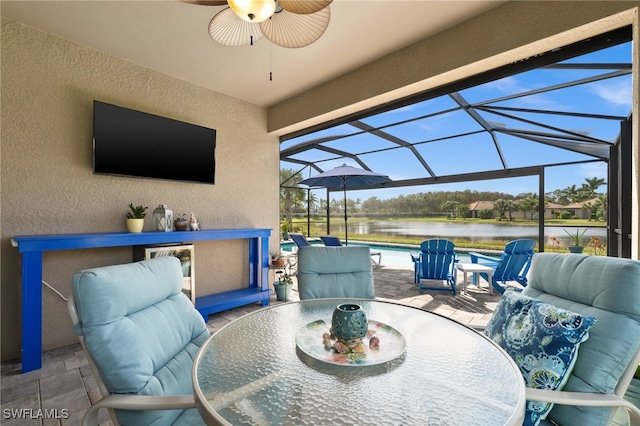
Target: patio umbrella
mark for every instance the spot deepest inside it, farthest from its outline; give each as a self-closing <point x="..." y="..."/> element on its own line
<point x="345" y="177"/>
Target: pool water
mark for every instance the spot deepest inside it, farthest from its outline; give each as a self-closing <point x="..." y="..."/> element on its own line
<point x="392" y="255"/>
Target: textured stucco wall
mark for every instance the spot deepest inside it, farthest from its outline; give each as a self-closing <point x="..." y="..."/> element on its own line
<point x="48" y="186"/>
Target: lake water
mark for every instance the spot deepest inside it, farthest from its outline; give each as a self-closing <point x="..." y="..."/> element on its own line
<point x="453" y="229"/>
<point x="396" y="255"/>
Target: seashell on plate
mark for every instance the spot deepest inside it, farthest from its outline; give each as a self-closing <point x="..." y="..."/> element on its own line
<point x="374" y="343"/>
<point x="340" y="347"/>
<point x="359" y="348"/>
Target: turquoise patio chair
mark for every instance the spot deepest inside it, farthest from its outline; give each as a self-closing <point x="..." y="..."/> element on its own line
<point x="436" y="261"/>
<point x="335" y="272"/>
<point x="140" y="333"/>
<point x="331" y="241"/>
<point x="512" y="265"/>
<point x="585" y="372"/>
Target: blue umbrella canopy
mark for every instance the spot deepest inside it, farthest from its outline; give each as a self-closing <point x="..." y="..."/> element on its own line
<point x="345" y="177"/>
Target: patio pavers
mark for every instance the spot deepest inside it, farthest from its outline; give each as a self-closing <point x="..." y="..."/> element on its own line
<point x="66" y="381"/>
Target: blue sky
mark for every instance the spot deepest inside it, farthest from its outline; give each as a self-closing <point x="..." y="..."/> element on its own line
<point x="475" y="150"/>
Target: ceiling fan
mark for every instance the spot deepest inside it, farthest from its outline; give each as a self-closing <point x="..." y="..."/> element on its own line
<point x="287" y="23"/>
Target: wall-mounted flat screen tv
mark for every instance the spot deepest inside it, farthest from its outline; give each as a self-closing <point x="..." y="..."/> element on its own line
<point x="127" y="142"/>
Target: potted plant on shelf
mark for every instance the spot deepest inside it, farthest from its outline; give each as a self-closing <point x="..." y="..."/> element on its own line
<point x="278" y="259"/>
<point x="576" y="240"/>
<point x="135" y="218"/>
<point x="283" y="287"/>
<point x="181" y="223"/>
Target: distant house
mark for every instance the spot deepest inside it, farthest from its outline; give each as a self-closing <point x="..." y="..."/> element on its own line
<point x="577" y="209"/>
<point x="550" y="212"/>
<point x="476" y="207"/>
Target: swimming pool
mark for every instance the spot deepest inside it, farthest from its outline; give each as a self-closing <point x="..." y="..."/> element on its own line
<point x="392" y="254"/>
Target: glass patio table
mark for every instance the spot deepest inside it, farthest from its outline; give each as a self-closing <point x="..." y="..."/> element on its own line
<point x="269" y="368"/>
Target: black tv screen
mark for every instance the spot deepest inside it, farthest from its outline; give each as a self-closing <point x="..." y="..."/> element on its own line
<point x="127" y="142"/>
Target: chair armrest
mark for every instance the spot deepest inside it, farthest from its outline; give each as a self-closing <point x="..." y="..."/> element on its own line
<point x="415" y="256"/>
<point x="585" y="399"/>
<point x="137" y="402"/>
<point x="486" y="260"/>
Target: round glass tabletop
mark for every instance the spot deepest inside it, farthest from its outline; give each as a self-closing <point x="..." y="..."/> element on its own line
<point x="253" y="372"/>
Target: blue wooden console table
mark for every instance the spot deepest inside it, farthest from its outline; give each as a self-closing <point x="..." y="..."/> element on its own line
<point x="32" y="246"/>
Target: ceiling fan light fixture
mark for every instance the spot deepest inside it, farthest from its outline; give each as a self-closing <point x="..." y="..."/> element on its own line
<point x="254" y="11"/>
<point x="228" y="29"/>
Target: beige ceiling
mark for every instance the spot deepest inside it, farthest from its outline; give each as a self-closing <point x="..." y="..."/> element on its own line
<point x="171" y="37"/>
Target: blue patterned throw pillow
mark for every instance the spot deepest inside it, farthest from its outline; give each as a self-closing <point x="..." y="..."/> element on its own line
<point x="542" y="339"/>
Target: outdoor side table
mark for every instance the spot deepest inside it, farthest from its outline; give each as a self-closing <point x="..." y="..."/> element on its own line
<point x="475" y="268"/>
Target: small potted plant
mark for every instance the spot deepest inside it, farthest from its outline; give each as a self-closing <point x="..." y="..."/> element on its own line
<point x="576" y="240"/>
<point x="181" y="223"/>
<point x="284" y="228"/>
<point x="135" y="218"/>
<point x="283" y="287"/>
<point x="278" y="259"/>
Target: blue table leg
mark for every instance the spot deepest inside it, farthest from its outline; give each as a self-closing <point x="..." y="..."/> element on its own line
<point x="31" y="311"/>
<point x="264" y="271"/>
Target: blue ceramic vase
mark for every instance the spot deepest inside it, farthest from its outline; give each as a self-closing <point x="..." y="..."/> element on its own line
<point x="349" y="322"/>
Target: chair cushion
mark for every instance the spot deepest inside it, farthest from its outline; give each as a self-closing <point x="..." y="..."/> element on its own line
<point x="542" y="339"/>
<point x="141" y="330"/>
<point x="608" y="289"/>
<point x="325" y="272"/>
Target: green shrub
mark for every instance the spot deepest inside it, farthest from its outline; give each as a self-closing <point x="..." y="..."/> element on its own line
<point x="565" y="215"/>
<point x="485" y="214"/>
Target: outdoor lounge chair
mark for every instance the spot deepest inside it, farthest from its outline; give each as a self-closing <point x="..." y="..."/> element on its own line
<point x="436" y="261"/>
<point x="335" y="272"/>
<point x="140" y="334"/>
<point x="597" y="360"/>
<point x="512" y="265"/>
<point x="299" y="239"/>
<point x="331" y="241"/>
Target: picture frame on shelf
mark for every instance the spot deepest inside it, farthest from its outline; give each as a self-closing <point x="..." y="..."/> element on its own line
<point x="184" y="252"/>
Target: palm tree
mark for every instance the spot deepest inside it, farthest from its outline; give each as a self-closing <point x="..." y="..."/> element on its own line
<point x="462" y="210"/>
<point x="593" y="184"/>
<point x="290" y="196"/>
<point x="450" y="207"/>
<point x="529" y="204"/>
<point x="503" y="205"/>
<point x="571" y="193"/>
<point x="588" y="207"/>
<point x="601" y="206"/>
<point x="312" y="201"/>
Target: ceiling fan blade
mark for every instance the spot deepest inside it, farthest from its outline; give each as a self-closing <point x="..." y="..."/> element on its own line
<point x="229" y="29"/>
<point x="304" y="7"/>
<point x="206" y="2"/>
<point x="288" y="29"/>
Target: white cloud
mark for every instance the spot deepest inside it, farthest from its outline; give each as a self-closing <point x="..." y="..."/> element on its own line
<point x="616" y="92"/>
<point x="590" y="170"/>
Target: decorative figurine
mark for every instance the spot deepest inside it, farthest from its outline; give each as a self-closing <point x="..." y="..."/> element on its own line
<point x="194" y="224"/>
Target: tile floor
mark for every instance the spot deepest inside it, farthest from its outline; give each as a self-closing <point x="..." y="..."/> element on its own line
<point x="65" y="387"/>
